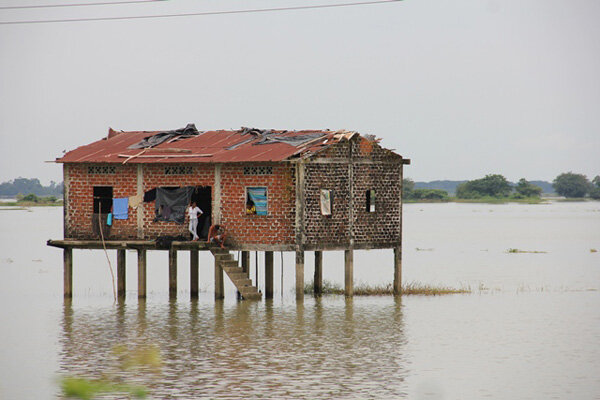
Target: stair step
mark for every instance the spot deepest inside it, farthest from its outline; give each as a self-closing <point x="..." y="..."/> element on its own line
<point x="232" y="269"/>
<point x="228" y="263"/>
<point x="252" y="296"/>
<point x="240" y="283"/>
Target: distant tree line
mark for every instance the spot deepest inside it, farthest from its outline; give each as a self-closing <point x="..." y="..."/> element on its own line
<point x="496" y="186"/>
<point x="26" y="186"/>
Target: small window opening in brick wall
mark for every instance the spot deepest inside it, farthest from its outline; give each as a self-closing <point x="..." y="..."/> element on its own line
<point x="259" y="170"/>
<point x="256" y="201"/>
<point x="102" y="169"/>
<point x="178" y="170"/>
<point x="370" y="195"/>
<point x="326" y="200"/>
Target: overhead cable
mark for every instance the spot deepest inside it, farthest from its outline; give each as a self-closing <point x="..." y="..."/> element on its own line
<point x="197" y="14"/>
<point x="104" y="3"/>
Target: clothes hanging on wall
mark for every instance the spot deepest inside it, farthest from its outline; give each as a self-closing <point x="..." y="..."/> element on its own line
<point x="259" y="196"/>
<point x="171" y="203"/>
<point x="135" y="201"/>
<point x="120" y="206"/>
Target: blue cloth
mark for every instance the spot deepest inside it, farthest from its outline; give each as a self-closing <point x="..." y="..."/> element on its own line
<point x="120" y="207"/>
<point x="259" y="196"/>
<point x="109" y="219"/>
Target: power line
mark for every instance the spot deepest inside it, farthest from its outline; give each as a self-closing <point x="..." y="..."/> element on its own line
<point x="104" y="3"/>
<point x="196" y="14"/>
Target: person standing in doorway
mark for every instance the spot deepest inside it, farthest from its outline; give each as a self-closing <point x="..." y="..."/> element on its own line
<point x="194" y="212"/>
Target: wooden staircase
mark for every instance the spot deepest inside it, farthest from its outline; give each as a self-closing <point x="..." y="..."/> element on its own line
<point x="236" y="274"/>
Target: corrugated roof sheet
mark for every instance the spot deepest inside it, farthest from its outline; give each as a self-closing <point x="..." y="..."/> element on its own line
<point x="207" y="147"/>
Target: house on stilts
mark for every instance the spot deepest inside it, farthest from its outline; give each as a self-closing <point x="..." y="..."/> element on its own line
<point x="272" y="190"/>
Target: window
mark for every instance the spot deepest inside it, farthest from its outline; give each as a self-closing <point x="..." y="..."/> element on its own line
<point x="326" y="202"/>
<point x="178" y="170"/>
<point x="260" y="170"/>
<point x="103" y="199"/>
<point x="102" y="169"/>
<point x="256" y="201"/>
<point x="370" y="200"/>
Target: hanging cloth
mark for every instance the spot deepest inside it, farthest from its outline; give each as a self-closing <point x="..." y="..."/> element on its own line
<point x="120" y="208"/>
<point x="259" y="196"/>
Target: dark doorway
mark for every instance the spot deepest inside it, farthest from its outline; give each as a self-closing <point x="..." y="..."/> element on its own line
<point x="202" y="195"/>
<point x="103" y="201"/>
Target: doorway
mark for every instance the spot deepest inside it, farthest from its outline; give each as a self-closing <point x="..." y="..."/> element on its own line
<point x="202" y="195"/>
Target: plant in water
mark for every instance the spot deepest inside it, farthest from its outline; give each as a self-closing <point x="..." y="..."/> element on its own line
<point x="525" y="251"/>
<point x="86" y="389"/>
<point x="362" y="289"/>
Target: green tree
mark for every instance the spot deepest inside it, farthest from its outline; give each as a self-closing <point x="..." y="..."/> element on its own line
<point x="569" y="184"/>
<point x="595" y="189"/>
<point x="527" y="189"/>
<point x="493" y="185"/>
<point x="408" y="186"/>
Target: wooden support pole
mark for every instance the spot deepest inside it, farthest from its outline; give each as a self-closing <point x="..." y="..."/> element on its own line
<point x="268" y="274"/>
<point x="299" y="275"/>
<point x="246" y="262"/>
<point x="68" y="272"/>
<point x="172" y="273"/>
<point x="397" y="271"/>
<point x="219" y="289"/>
<point x="194" y="278"/>
<point x="121" y="273"/>
<point x="318" y="279"/>
<point x="349" y="273"/>
<point x="141" y="258"/>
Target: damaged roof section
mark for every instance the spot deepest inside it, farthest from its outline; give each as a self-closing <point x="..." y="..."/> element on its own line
<point x="189" y="145"/>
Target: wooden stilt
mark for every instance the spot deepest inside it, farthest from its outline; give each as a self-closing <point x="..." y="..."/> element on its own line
<point x="246" y="262"/>
<point x="172" y="273"/>
<point x="121" y="273"/>
<point x="268" y="274"/>
<point x="219" y="289"/>
<point x="68" y="272"/>
<point x="318" y="278"/>
<point x="141" y="257"/>
<point x="299" y="275"/>
<point x="349" y="273"/>
<point x="194" y="278"/>
<point x="397" y="271"/>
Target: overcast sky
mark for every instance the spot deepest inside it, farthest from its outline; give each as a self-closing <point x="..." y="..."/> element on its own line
<point x="463" y="87"/>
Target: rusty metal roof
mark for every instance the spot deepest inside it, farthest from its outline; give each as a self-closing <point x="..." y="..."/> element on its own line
<point x="206" y="147"/>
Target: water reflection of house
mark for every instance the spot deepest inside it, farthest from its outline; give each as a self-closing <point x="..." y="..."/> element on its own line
<point x="310" y="190"/>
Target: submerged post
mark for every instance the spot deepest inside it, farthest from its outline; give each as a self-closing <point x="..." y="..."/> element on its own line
<point x="141" y="257"/>
<point x="268" y="274"/>
<point x="68" y="272"/>
<point x="397" y="271"/>
<point x="219" y="289"/>
<point x="318" y="278"/>
<point x="121" y="274"/>
<point x="172" y="273"/>
<point x="349" y="273"/>
<point x="194" y="261"/>
<point x="299" y="275"/>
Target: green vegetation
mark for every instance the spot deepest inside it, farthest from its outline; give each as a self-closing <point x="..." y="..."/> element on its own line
<point x="595" y="188"/>
<point x="386" y="289"/>
<point x="571" y="185"/>
<point x="33" y="200"/>
<point x="87" y="389"/>
<point x="525" y="251"/>
<point x="410" y="194"/>
<point x="494" y="185"/>
<point x="526" y="189"/>
<point x="24" y="185"/>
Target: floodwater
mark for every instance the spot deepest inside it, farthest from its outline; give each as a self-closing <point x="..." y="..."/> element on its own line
<point x="530" y="329"/>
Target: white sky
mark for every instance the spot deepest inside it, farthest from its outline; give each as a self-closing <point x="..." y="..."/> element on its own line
<point x="462" y="87"/>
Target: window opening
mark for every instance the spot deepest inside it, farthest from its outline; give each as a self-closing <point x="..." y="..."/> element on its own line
<point x="256" y="201"/>
<point x="326" y="202"/>
<point x="258" y="170"/>
<point x="178" y="170"/>
<point x="102" y="169"/>
<point x="103" y="199"/>
<point x="370" y="200"/>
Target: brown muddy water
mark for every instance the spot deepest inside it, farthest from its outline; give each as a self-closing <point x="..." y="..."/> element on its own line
<point x="530" y="329"/>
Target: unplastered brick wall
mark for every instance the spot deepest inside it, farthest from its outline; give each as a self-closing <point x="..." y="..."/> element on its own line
<point x="79" y="206"/>
<point x="277" y="227"/>
<point x="383" y="225"/>
<point x="363" y="148"/>
<point x="154" y="177"/>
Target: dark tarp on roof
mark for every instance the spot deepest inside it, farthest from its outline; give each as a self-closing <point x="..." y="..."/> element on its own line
<point x="154" y="140"/>
<point x="171" y="203"/>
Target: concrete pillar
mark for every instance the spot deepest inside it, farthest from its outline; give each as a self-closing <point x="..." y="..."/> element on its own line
<point x="349" y="273"/>
<point x="219" y="289"/>
<point x="121" y="272"/>
<point x="299" y="275"/>
<point x="194" y="278"/>
<point x="172" y="273"/>
<point x="68" y="272"/>
<point x="318" y="279"/>
<point x="246" y="262"/>
<point x="268" y="274"/>
<point x="141" y="257"/>
<point x="397" y="271"/>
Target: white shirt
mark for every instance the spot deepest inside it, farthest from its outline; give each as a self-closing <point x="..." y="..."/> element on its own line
<point x="193" y="212"/>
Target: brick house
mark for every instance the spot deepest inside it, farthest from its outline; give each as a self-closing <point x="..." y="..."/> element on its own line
<point x="322" y="190"/>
